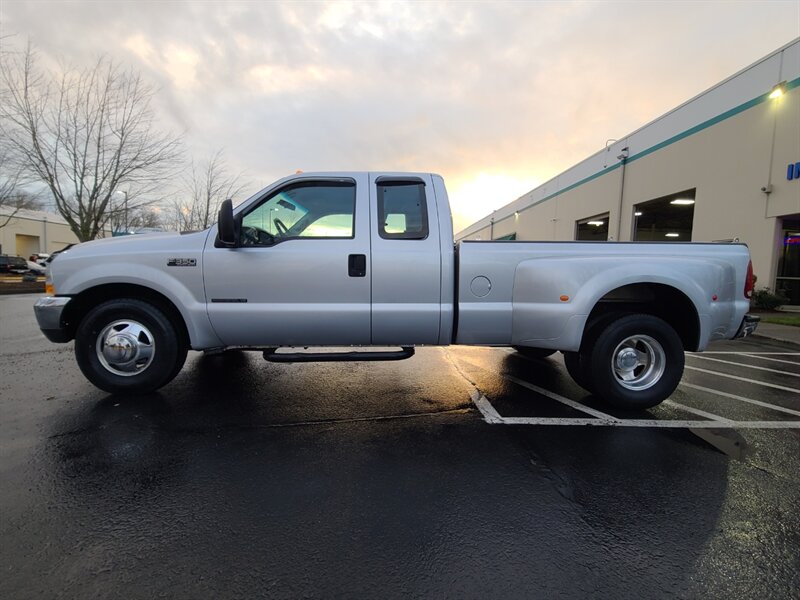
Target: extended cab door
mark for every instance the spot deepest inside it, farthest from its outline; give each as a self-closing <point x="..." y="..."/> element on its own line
<point x="406" y="261"/>
<point x="299" y="276"/>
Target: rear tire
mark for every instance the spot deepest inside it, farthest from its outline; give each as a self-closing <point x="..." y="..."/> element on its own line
<point x="577" y="363"/>
<point x="636" y="361"/>
<point x="576" y="367"/>
<point x="128" y="346"/>
<point x="534" y="352"/>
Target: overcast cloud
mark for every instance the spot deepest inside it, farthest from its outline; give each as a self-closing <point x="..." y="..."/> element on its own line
<point x="497" y="97"/>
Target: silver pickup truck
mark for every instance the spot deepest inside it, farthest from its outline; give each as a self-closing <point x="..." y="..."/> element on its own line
<point x="367" y="259"/>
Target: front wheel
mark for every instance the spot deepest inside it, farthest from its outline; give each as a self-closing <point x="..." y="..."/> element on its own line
<point x="636" y="362"/>
<point x="128" y="346"/>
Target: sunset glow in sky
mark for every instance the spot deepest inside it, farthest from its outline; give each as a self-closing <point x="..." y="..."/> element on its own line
<point x="497" y="97"/>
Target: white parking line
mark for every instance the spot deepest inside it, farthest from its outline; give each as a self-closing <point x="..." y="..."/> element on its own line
<point x="741" y="398"/>
<point x="788" y="362"/>
<point x="764" y="383"/>
<point x="653" y="423"/>
<point x="491" y="416"/>
<point x="730" y="362"/>
<point x="697" y="411"/>
<point x="747" y="352"/>
<point x="558" y="398"/>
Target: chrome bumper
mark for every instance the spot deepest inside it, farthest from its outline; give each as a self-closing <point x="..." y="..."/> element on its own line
<point x="48" y="314"/>
<point x="748" y="326"/>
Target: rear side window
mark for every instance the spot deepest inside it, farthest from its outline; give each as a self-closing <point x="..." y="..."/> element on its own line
<point x="402" y="213"/>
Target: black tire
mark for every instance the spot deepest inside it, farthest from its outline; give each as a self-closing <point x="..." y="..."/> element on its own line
<point x="145" y="352"/>
<point x="534" y="352"/>
<point x="652" y="345"/>
<point x="576" y="367"/>
<point x="577" y="363"/>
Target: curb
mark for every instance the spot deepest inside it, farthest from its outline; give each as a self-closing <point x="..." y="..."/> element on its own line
<point x="776" y="339"/>
<point x="33" y="287"/>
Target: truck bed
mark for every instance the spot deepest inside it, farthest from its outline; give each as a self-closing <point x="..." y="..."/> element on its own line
<point x="542" y="293"/>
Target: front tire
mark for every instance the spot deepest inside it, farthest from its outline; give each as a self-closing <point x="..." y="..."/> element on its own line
<point x="128" y="346"/>
<point x="636" y="362"/>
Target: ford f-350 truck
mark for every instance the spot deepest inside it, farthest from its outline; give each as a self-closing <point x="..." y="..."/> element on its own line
<point x="367" y="259"/>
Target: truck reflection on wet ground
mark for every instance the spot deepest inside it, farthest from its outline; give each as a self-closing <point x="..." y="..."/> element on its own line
<point x="276" y="394"/>
<point x="328" y="509"/>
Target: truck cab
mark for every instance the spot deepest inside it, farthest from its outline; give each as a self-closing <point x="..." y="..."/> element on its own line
<point x="351" y="259"/>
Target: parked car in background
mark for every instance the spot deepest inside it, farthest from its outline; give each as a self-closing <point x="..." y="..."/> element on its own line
<point x="36" y="268"/>
<point x="40" y="258"/>
<point x="13" y="265"/>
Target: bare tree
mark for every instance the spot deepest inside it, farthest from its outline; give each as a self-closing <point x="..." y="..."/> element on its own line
<point x="85" y="134"/>
<point x="207" y="186"/>
<point x="142" y="217"/>
<point x="13" y="196"/>
<point x="12" y="203"/>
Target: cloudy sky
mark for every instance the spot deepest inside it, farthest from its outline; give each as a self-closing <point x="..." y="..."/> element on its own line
<point x="496" y="96"/>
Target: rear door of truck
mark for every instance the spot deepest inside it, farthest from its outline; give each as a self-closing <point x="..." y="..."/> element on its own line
<point x="406" y="261"/>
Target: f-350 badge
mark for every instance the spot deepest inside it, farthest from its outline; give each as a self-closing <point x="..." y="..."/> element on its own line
<point x="181" y="262"/>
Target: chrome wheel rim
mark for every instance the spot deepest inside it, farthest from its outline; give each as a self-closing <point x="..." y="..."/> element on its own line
<point x="125" y="348"/>
<point x="638" y="362"/>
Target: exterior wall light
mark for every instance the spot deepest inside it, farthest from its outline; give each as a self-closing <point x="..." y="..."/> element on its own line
<point x="682" y="201"/>
<point x="778" y="90"/>
<point x="516" y="214"/>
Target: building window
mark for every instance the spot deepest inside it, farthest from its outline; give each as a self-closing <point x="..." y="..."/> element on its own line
<point x="509" y="238"/>
<point x="666" y="219"/>
<point x="593" y="229"/>
<point x="788" y="280"/>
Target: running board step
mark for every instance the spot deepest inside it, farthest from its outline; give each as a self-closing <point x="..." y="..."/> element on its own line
<point x="272" y="355"/>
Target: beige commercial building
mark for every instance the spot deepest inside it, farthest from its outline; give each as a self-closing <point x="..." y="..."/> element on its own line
<point x="723" y="166"/>
<point x="32" y="231"/>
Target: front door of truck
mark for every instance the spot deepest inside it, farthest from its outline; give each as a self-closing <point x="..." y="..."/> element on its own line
<point x="299" y="275"/>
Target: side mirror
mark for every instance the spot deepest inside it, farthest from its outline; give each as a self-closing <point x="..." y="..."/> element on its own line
<point x="226" y="224"/>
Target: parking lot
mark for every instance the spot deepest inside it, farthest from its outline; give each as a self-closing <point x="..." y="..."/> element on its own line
<point x="462" y="472"/>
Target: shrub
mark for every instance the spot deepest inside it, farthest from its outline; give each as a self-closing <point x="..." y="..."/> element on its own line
<point x="767" y="299"/>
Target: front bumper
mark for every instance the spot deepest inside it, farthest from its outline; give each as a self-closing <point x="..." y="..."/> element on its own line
<point x="48" y="314"/>
<point x="748" y="326"/>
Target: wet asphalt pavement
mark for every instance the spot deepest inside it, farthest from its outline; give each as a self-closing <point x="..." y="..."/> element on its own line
<point x="247" y="479"/>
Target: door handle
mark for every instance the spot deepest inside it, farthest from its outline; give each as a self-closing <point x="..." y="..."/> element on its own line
<point x="357" y="265"/>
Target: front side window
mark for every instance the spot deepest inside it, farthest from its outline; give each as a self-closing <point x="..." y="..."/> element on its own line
<point x="314" y="209"/>
<point x="402" y="213"/>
